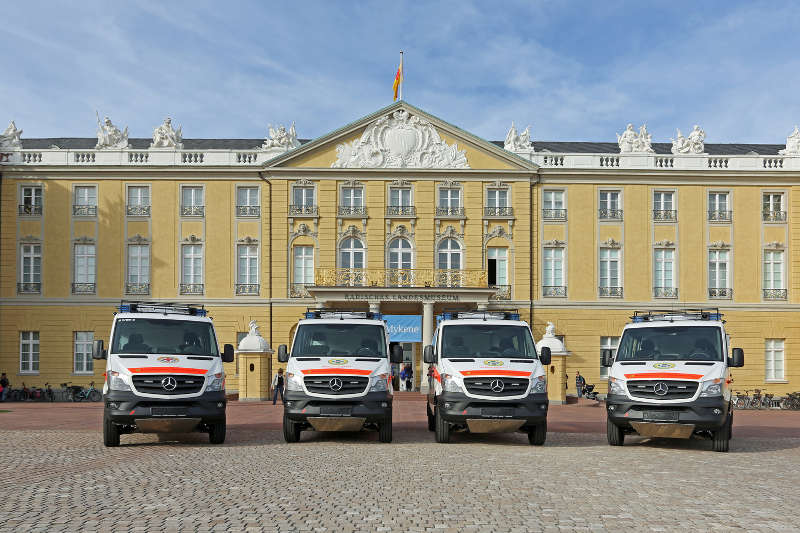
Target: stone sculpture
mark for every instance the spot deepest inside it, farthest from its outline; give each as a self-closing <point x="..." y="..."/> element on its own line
<point x="10" y="138"/>
<point x="280" y="138"/>
<point x="631" y="142"/>
<point x="166" y="137"/>
<point x="693" y="144"/>
<point x="518" y="142"/>
<point x="792" y="144"/>
<point x="109" y="136"/>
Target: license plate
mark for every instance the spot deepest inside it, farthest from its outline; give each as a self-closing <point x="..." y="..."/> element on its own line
<point x="501" y="412"/>
<point x="663" y="416"/>
<point x="167" y="411"/>
<point x="334" y="411"/>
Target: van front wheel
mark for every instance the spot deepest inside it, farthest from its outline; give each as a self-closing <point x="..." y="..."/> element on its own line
<point x="431" y="420"/>
<point x="442" y="427"/>
<point x="722" y="437"/>
<point x="538" y="434"/>
<point x="110" y="433"/>
<point x="216" y="434"/>
<point x="291" y="430"/>
<point x="616" y="437"/>
<point x="385" y="430"/>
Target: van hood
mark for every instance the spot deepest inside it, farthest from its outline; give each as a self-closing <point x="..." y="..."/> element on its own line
<point x="133" y="364"/>
<point x="679" y="370"/>
<point x="343" y="365"/>
<point x="488" y="366"/>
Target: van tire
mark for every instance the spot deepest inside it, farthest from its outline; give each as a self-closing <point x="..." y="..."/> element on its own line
<point x="721" y="439"/>
<point x="291" y="430"/>
<point x="538" y="434"/>
<point x="385" y="430"/>
<point x="110" y="433"/>
<point x="216" y="434"/>
<point x="616" y="437"/>
<point x="442" y="428"/>
<point x="431" y="420"/>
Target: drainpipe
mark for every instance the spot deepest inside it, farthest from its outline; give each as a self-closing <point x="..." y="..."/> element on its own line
<point x="269" y="293"/>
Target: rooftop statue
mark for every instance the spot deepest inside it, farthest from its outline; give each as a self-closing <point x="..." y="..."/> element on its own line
<point x="631" y="142"/>
<point x="280" y="138"/>
<point x="792" y="144"/>
<point x="10" y="138"/>
<point x="166" y="137"/>
<point x="109" y="136"/>
<point x="518" y="142"/>
<point x="693" y="144"/>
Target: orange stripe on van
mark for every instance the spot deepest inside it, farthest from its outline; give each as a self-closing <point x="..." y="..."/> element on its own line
<point x="663" y="375"/>
<point x="167" y="370"/>
<point x="336" y="371"/>
<point x="519" y="373"/>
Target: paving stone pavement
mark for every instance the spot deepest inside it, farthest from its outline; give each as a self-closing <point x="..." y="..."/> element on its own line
<point x="65" y="480"/>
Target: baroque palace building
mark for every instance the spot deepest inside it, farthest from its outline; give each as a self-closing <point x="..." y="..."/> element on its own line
<point x="403" y="213"/>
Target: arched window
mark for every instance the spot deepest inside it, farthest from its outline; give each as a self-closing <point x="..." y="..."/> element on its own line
<point x="449" y="255"/>
<point x="400" y="254"/>
<point x="351" y="261"/>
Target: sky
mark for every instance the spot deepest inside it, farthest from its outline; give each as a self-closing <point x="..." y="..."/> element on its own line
<point x="572" y="70"/>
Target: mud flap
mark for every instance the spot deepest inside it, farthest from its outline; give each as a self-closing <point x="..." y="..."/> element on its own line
<point x="658" y="429"/>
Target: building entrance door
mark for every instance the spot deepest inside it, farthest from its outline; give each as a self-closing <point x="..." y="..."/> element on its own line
<point x="410" y="366"/>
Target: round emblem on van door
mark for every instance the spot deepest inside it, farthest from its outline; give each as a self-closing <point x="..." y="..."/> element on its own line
<point x="335" y="384"/>
<point x="660" y="388"/>
<point x="337" y="362"/>
<point x="497" y="385"/>
<point x="168" y="383"/>
<point x="493" y="362"/>
<point x="167" y="359"/>
<point x="663" y="366"/>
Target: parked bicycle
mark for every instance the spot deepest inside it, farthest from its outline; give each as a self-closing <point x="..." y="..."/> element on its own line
<point x="791" y="401"/>
<point x="91" y="394"/>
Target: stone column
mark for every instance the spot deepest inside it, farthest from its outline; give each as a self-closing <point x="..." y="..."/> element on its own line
<point x="255" y="366"/>
<point x="427" y="336"/>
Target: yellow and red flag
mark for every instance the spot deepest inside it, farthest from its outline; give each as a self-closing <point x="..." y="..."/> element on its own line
<point x="398" y="80"/>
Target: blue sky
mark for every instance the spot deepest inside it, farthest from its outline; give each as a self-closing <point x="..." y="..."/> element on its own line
<point x="572" y="70"/>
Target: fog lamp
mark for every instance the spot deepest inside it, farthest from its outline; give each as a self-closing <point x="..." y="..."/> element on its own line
<point x="447" y="406"/>
<point x="717" y="412"/>
<point x="220" y="404"/>
<point x="384" y="404"/>
<point x="611" y="407"/>
<point x="113" y="405"/>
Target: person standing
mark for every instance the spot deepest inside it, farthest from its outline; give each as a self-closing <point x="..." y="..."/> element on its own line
<point x="4" y="386"/>
<point x="579" y="384"/>
<point x="409" y="377"/>
<point x="277" y="387"/>
<point x="403" y="379"/>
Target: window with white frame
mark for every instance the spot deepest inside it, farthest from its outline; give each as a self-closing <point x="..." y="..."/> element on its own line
<point x="497" y="198"/>
<point x="86" y="195"/>
<point x="718" y="269"/>
<point x="553" y="200"/>
<point x="138" y="268"/>
<point x="662" y="201"/>
<point x="608" y="343"/>
<point x="303" y="196"/>
<point x="85" y="259"/>
<point x="773" y="360"/>
<point x="303" y="265"/>
<point x="247" y="271"/>
<point x="192" y="203"/>
<point x="609" y="205"/>
<point x="609" y="268"/>
<point x="138" y="195"/>
<point x="400" y="254"/>
<point x="192" y="264"/>
<point x="663" y="271"/>
<point x="247" y="196"/>
<point x="82" y="361"/>
<point x="29" y="352"/>
<point x="772" y="202"/>
<point x="553" y="271"/>
<point x="352" y="197"/>
<point x="31" y="267"/>
<point x="449" y="201"/>
<point x="400" y="197"/>
<point x="497" y="266"/>
<point x="32" y="196"/>
<point x="351" y="253"/>
<point x="449" y="255"/>
<point x="773" y="269"/>
<point x="719" y="207"/>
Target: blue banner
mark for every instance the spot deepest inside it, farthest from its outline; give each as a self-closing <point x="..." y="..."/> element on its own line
<point x="404" y="328"/>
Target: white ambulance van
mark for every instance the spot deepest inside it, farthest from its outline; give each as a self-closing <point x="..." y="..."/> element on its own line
<point x="486" y="376"/>
<point x="671" y="377"/>
<point x="163" y="372"/>
<point x="338" y="374"/>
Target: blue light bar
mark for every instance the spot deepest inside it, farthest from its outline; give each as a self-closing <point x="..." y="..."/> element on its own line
<point x="513" y="316"/>
<point x="124" y="308"/>
<point x="447" y="316"/>
<point x="715" y="316"/>
<point x="309" y="315"/>
<point x="638" y="319"/>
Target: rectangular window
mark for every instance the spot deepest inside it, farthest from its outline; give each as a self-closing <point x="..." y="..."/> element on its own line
<point x="773" y="359"/>
<point x="663" y="271"/>
<point x="192" y="273"/>
<point x="450" y="198"/>
<point x="192" y="197"/>
<point x="497" y="265"/>
<point x="609" y="200"/>
<point x="303" y="196"/>
<point x="248" y="264"/>
<point x="609" y="267"/>
<point x="303" y="265"/>
<point x="772" y="202"/>
<point x="138" y="263"/>
<point x="31" y="201"/>
<point x="773" y="269"/>
<point x="83" y="363"/>
<point x="497" y="198"/>
<point x="139" y="195"/>
<point x="86" y="195"/>
<point x="553" y="267"/>
<point x="554" y="199"/>
<point x="247" y="196"/>
<point x="399" y="197"/>
<point x="718" y="269"/>
<point x="29" y="351"/>
<point x="608" y="343"/>
<point x="84" y="263"/>
<point x="31" y="264"/>
<point x="352" y="197"/>
<point x="662" y="201"/>
<point x="718" y="201"/>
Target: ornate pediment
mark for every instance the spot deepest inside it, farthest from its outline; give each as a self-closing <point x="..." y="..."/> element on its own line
<point x="664" y="244"/>
<point x="30" y="238"/>
<point x="247" y="240"/>
<point x="450" y="233"/>
<point x="83" y="240"/>
<point x="719" y="245"/>
<point x="400" y="183"/>
<point x="611" y="243"/>
<point x="449" y="183"/>
<point x="192" y="239"/>
<point x="352" y="183"/>
<point x="303" y="230"/>
<point x="303" y="182"/>
<point x="352" y="231"/>
<point x="497" y="231"/>
<point x="400" y="140"/>
<point x="138" y="239"/>
<point x="774" y="245"/>
<point x="555" y="243"/>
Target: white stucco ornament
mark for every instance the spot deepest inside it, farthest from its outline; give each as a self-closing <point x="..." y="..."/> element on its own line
<point x="109" y="136"/>
<point x="550" y="340"/>
<point x="792" y="144"/>
<point x="631" y="142"/>
<point x="10" y="138"/>
<point x="400" y="140"/>
<point x="166" y="137"/>
<point x="281" y="139"/>
<point x="254" y="342"/>
<point x="693" y="144"/>
<point x="518" y="142"/>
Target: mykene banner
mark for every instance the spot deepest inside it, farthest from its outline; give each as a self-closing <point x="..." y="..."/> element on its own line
<point x="404" y="328"/>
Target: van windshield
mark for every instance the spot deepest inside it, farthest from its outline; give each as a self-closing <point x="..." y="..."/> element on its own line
<point x="674" y="343"/>
<point x="339" y="339"/>
<point x="174" y="337"/>
<point x="486" y="340"/>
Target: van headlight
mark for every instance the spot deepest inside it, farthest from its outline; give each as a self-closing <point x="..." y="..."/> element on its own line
<point x="217" y="382"/>
<point x="712" y="387"/>
<point x="539" y="385"/>
<point x="117" y="382"/>
<point x="449" y="384"/>
<point x="379" y="383"/>
<point x="294" y="382"/>
<point x="616" y="386"/>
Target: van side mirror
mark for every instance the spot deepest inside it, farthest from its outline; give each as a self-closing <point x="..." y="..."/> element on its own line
<point x="606" y="358"/>
<point x="544" y="356"/>
<point x="428" y="356"/>
<point x="227" y="353"/>
<point x="97" y="350"/>
<point x="737" y="359"/>
<point x="396" y="354"/>
<point x="283" y="355"/>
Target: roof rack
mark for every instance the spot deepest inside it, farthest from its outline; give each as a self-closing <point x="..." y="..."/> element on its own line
<point x="172" y="308"/>
<point x="494" y="314"/>
<point x="699" y="313"/>
<point x="341" y="314"/>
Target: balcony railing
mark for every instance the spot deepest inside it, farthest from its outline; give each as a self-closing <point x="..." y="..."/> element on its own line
<point x="303" y="210"/>
<point x="723" y="293"/>
<point x="665" y="292"/>
<point x="450" y="211"/>
<point x="191" y="288"/>
<point x="400" y="277"/>
<point x="29" y="288"/>
<point x="503" y="292"/>
<point x="554" y="214"/>
<point x="498" y="211"/>
<point x="773" y="216"/>
<point x="554" y="291"/>
<point x="665" y="215"/>
<point x="719" y="216"/>
<point x="83" y="288"/>
<point x="401" y="210"/>
<point x="613" y="292"/>
<point x="248" y="210"/>
<point x="137" y="288"/>
<point x="247" y="289"/>
<point x="609" y="214"/>
<point x="352" y="211"/>
<point x="774" y="294"/>
<point x="84" y="210"/>
<point x="193" y="210"/>
<point x="30" y="209"/>
<point x="299" y="290"/>
<point x="138" y="210"/>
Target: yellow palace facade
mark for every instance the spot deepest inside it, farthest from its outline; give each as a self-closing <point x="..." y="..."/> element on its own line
<point x="403" y="213"/>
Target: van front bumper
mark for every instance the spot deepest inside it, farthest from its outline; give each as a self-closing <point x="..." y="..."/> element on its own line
<point x="125" y="407"/>
<point x="703" y="413"/>
<point x="372" y="407"/>
<point x="458" y="408"/>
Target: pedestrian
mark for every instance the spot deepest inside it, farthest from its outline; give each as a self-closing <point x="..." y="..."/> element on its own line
<point x="3" y="387"/>
<point x="277" y="387"/>
<point x="403" y="379"/>
<point x="409" y="378"/>
<point x="579" y="384"/>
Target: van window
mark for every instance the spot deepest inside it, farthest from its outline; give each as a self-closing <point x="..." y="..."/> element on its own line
<point x="172" y="337"/>
<point x="339" y="339"/>
<point x="674" y="343"/>
<point x="486" y="340"/>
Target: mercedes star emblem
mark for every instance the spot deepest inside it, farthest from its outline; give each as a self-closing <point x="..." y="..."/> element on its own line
<point x="660" y="388"/>
<point x="335" y="384"/>
<point x="168" y="383"/>
<point x="497" y="385"/>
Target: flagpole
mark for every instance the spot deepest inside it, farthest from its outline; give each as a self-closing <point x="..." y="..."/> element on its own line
<point x="402" y="76"/>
